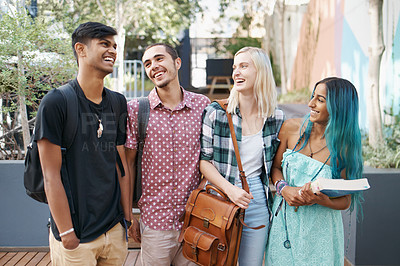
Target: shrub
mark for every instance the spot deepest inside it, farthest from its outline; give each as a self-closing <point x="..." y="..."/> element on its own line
<point x="296" y="96"/>
<point x="387" y="155"/>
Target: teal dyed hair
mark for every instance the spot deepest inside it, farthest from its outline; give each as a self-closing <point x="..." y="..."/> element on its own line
<point x="342" y="133"/>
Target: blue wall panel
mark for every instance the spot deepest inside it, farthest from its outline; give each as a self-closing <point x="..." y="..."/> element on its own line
<point x="355" y="68"/>
<point x="23" y="221"/>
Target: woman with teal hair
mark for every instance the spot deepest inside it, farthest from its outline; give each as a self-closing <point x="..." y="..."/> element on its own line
<point x="307" y="227"/>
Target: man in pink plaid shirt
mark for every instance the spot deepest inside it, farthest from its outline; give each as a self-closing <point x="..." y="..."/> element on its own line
<point x="170" y="162"/>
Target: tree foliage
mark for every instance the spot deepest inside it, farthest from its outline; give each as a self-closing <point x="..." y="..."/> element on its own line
<point x="238" y="43"/>
<point x="152" y="21"/>
<point x="147" y="21"/>
<point x="386" y="155"/>
<point x="34" y="57"/>
<point x="45" y="55"/>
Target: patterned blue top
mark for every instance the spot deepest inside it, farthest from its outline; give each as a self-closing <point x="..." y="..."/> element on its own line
<point x="315" y="232"/>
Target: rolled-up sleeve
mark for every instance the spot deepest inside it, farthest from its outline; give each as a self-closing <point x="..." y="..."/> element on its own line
<point x="207" y="133"/>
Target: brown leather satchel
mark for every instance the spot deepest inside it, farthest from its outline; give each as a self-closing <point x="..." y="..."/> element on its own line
<point x="213" y="224"/>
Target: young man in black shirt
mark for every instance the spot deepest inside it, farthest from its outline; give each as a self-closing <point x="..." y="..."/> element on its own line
<point x="87" y="219"/>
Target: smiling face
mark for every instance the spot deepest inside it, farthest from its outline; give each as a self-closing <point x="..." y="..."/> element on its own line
<point x="244" y="72"/>
<point x="160" y="67"/>
<point x="99" y="54"/>
<point x="319" y="112"/>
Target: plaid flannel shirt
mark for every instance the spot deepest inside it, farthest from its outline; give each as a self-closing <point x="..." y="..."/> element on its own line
<point x="217" y="146"/>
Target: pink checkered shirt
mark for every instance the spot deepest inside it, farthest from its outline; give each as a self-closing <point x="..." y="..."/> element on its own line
<point x="170" y="162"/>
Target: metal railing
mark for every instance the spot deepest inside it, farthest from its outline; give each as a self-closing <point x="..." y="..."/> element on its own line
<point x="133" y="80"/>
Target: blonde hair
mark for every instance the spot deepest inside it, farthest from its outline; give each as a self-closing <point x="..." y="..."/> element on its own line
<point x="264" y="86"/>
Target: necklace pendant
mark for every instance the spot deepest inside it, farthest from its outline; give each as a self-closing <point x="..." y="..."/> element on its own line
<point x="286" y="244"/>
<point x="100" y="130"/>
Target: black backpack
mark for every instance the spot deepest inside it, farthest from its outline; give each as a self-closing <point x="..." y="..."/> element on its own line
<point x="33" y="176"/>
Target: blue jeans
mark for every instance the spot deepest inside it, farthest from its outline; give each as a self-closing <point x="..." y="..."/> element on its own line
<point x="253" y="243"/>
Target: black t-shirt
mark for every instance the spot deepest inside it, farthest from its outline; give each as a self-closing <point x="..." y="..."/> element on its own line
<point x="90" y="162"/>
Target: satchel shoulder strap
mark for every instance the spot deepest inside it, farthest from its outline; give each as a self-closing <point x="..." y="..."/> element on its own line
<point x="245" y="185"/>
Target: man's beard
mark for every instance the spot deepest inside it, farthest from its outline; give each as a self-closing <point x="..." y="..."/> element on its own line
<point x="164" y="84"/>
<point x="168" y="81"/>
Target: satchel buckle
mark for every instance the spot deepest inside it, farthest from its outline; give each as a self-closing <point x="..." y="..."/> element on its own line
<point x="194" y="252"/>
<point x="206" y="222"/>
<point x="221" y="247"/>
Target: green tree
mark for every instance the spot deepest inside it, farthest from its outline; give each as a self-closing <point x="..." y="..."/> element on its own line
<point x="237" y="43"/>
<point x="376" y="49"/>
<point x="33" y="58"/>
<point x="151" y="20"/>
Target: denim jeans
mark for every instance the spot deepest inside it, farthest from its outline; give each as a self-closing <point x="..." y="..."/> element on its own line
<point x="253" y="243"/>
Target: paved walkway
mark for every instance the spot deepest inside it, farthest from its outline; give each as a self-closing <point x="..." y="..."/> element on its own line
<point x="294" y="110"/>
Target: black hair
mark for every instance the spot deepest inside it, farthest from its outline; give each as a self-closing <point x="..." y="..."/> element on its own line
<point x="171" y="50"/>
<point x="90" y="30"/>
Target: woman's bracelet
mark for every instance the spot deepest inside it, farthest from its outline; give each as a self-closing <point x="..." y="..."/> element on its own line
<point x="276" y="182"/>
<point x="67" y="232"/>
<point x="280" y="185"/>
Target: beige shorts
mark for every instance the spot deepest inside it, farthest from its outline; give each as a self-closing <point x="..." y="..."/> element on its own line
<point x="161" y="248"/>
<point x="110" y="248"/>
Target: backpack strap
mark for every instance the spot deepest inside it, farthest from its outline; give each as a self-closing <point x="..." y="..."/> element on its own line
<point x="116" y="109"/>
<point x="115" y="103"/>
<point x="143" y="120"/>
<point x="71" y="125"/>
<point x="69" y="133"/>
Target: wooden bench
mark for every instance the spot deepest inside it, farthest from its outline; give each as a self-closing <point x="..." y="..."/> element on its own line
<point x="215" y="85"/>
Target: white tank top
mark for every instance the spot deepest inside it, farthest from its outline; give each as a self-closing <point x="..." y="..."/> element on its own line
<point x="251" y="154"/>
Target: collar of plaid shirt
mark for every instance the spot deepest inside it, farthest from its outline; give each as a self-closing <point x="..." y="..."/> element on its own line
<point x="217" y="146"/>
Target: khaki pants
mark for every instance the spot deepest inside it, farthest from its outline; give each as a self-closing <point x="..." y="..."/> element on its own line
<point x="110" y="248"/>
<point x="161" y="248"/>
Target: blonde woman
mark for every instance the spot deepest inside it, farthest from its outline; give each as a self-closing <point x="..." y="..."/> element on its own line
<point x="257" y="122"/>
